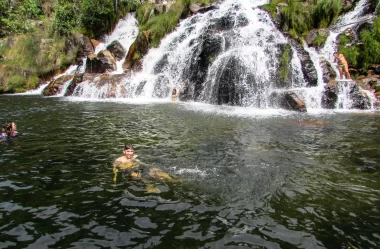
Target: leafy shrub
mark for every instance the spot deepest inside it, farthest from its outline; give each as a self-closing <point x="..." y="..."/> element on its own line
<point x="296" y="16"/>
<point x="143" y="13"/>
<point x="32" y="82"/>
<point x="283" y="70"/>
<point x="15" y="15"/>
<point x="15" y="83"/>
<point x="319" y="40"/>
<point x="64" y="20"/>
<point x="326" y="11"/>
<point x="370" y="52"/>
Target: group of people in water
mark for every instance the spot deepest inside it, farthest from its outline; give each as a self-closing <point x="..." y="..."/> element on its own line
<point x="8" y="130"/>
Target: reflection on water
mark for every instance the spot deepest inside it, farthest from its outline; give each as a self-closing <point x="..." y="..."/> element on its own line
<point x="259" y="180"/>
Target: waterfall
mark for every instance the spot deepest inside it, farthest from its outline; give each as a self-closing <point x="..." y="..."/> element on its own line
<point x="344" y="22"/>
<point x="227" y="56"/>
<point x="235" y="43"/>
<point x="125" y="32"/>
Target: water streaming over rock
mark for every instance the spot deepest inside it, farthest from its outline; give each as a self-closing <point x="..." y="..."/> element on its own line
<point x="232" y="55"/>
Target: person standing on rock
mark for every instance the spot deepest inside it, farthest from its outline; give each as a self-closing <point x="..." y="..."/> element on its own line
<point x="342" y="65"/>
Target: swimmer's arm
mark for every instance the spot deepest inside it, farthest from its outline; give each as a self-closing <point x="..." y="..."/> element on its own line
<point x="116" y="165"/>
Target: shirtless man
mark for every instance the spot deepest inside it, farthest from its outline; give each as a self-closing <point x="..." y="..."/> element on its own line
<point x="130" y="165"/>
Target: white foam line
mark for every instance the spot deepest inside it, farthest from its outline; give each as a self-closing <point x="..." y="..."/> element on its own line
<point x="135" y="101"/>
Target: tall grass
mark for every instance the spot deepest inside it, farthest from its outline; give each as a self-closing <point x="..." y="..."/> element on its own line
<point x="326" y="11"/>
<point x="31" y="59"/>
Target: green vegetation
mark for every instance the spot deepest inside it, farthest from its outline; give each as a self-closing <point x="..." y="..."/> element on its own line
<point x="298" y="17"/>
<point x="283" y="71"/>
<point x="30" y="59"/>
<point x="17" y="16"/>
<point x="162" y="24"/>
<point x="366" y="52"/>
<point x="370" y="52"/>
<point x="319" y="40"/>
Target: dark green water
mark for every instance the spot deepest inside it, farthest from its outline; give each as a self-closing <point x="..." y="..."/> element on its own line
<point x="252" y="181"/>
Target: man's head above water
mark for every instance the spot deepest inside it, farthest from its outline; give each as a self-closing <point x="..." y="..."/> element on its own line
<point x="128" y="151"/>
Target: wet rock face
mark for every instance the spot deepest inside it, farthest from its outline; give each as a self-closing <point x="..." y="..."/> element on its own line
<point x="137" y="50"/>
<point x="80" y="43"/>
<point x="330" y="96"/>
<point x="78" y="78"/>
<point x="111" y="82"/>
<point x="56" y="86"/>
<point x="209" y="48"/>
<point x="228" y="92"/>
<point x="328" y="72"/>
<point x="358" y="98"/>
<point x="287" y="100"/>
<point x="117" y="50"/>
<point x="308" y="70"/>
<point x="101" y="63"/>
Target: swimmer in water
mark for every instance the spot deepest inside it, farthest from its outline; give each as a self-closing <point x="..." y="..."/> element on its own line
<point x="11" y="129"/>
<point x="175" y="93"/>
<point x="3" y="132"/>
<point x="130" y="166"/>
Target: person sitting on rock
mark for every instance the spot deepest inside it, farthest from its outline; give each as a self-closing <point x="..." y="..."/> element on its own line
<point x="342" y="65"/>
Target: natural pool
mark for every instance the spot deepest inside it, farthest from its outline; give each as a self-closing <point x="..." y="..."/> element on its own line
<point x="251" y="178"/>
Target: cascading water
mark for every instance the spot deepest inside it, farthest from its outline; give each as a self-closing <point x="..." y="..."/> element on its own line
<point x="226" y="56"/>
<point x="125" y="32"/>
<point x="348" y="21"/>
<point x="231" y="55"/>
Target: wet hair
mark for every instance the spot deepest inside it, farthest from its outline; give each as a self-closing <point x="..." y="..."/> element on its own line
<point x="174" y="91"/>
<point x="128" y="147"/>
<point x="9" y="127"/>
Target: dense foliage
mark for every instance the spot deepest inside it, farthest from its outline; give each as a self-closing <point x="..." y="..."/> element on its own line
<point x="17" y="16"/>
<point x="298" y="17"/>
<point x="364" y="52"/>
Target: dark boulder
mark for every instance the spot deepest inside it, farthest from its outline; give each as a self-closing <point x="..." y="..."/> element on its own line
<point x="209" y="48"/>
<point x="287" y="100"/>
<point x="117" y="50"/>
<point x="358" y="98"/>
<point x="79" y="44"/>
<point x="330" y="96"/>
<point x="56" y="85"/>
<point x="308" y="70"/>
<point x="328" y="73"/>
<point x="101" y="63"/>
<point x="78" y="78"/>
